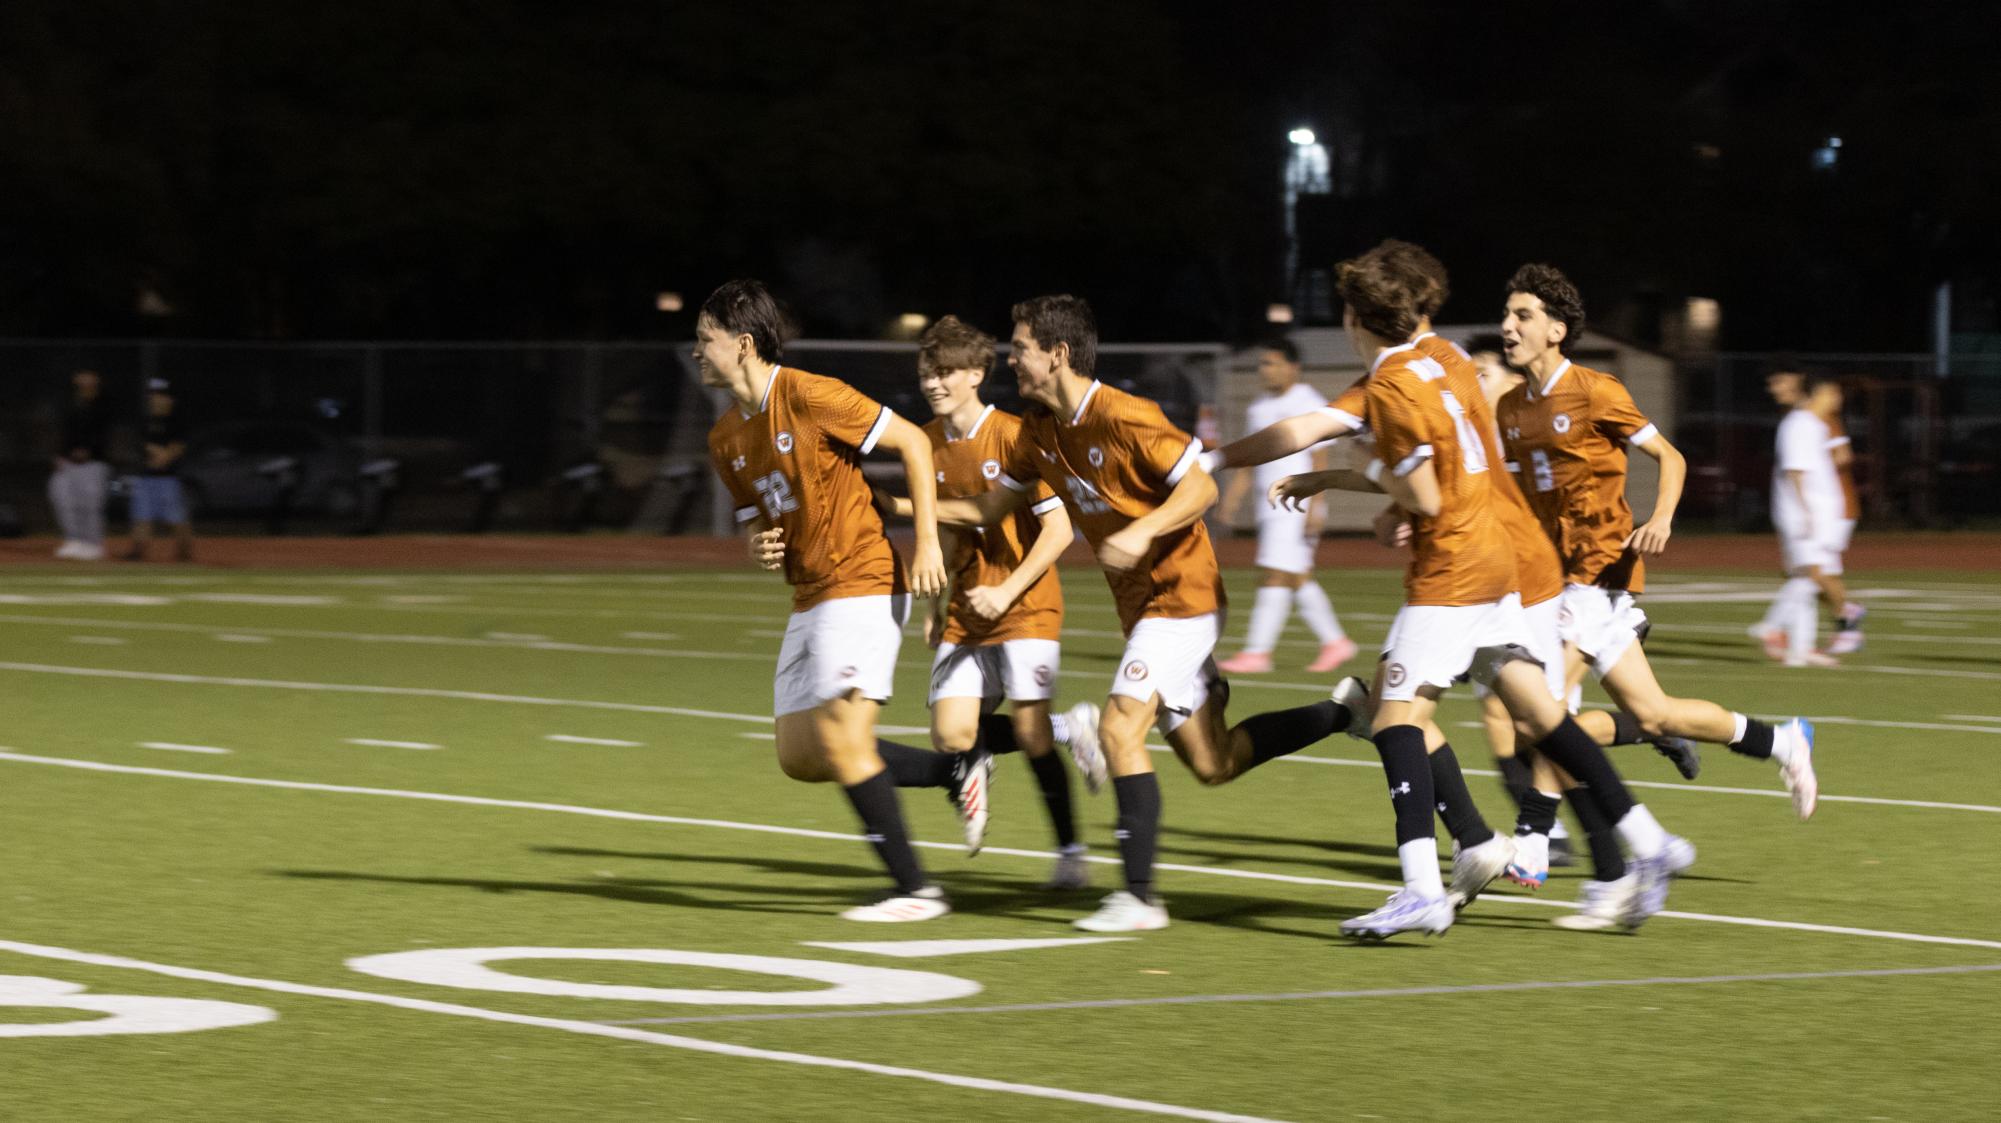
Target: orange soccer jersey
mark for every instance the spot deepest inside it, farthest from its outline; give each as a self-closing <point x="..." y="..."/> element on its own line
<point x="1567" y="440"/>
<point x="1115" y="460"/>
<point x="796" y="463"/>
<point x="968" y="466"/>
<point x="1837" y="437"/>
<point x="1418" y="410"/>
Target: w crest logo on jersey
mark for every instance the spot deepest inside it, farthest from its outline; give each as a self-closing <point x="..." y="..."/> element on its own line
<point x="990" y="469"/>
<point x="1097" y="457"/>
<point x="784" y="441"/>
<point x="1560" y="423"/>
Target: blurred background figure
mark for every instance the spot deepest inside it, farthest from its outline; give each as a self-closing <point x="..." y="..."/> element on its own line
<point x="156" y="490"/>
<point x="81" y="478"/>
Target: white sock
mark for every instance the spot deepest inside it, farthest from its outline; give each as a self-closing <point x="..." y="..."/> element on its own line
<point x="1318" y="612"/>
<point x="1059" y="728"/>
<point x="1803" y="625"/>
<point x="1641" y="832"/>
<point x="1782" y="744"/>
<point x="1775" y="612"/>
<point x="1558" y="831"/>
<point x="1268" y="618"/>
<point x="1420" y="867"/>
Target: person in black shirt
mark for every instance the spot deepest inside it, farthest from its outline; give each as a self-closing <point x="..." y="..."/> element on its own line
<point x="156" y="490"/>
<point x="81" y="477"/>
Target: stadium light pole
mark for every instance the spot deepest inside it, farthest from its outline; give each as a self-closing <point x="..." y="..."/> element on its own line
<point x="1307" y="172"/>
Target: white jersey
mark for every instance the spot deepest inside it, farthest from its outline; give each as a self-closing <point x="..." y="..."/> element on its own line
<point x="1269" y="410"/>
<point x="1803" y="448"/>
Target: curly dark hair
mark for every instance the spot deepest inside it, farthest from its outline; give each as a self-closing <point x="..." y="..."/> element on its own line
<point x="1559" y="298"/>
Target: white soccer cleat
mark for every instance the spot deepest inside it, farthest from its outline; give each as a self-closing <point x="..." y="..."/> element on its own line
<point x="1528" y="865"/>
<point x="1405" y="911"/>
<point x="1679" y="854"/>
<point x="1797" y="771"/>
<point x="1773" y="640"/>
<point x="69" y="548"/>
<point x="1352" y="694"/>
<point x="1072" y="871"/>
<point x="895" y="907"/>
<point x="1123" y="912"/>
<point x="1083" y="745"/>
<point x="1476" y="868"/>
<point x="972" y="787"/>
<point x="1846" y="642"/>
<point x="1604" y="907"/>
<point x="1653" y="874"/>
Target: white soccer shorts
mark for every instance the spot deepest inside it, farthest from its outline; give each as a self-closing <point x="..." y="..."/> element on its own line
<point x="1282" y="542"/>
<point x="845" y="644"/>
<point x="1015" y="670"/>
<point x="1434" y="645"/>
<point x="1602" y="623"/>
<point x="1546" y="644"/>
<point x="1172" y="659"/>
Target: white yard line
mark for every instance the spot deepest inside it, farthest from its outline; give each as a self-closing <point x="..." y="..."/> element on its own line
<point x="176" y="747"/>
<point x="621" y="1033"/>
<point x="567" y="739"/>
<point x="375" y="743"/>
<point x="100" y="641"/>
<point x="1039" y="855"/>
<point x="226" y="637"/>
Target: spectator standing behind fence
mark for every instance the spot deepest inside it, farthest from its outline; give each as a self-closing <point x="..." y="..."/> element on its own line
<point x="156" y="490"/>
<point x="77" y="486"/>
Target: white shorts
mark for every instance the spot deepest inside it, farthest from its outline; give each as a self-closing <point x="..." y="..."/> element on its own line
<point x="1172" y="659"/>
<point x="1015" y="670"/>
<point x="1282" y="542"/>
<point x="1546" y="644"/>
<point x="1602" y="623"/>
<point x="849" y="643"/>
<point x="1435" y="645"/>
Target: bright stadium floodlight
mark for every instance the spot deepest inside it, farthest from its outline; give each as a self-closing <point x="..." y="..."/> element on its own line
<point x="1278" y="313"/>
<point x="668" y="302"/>
<point x="912" y="321"/>
<point x="1301" y="136"/>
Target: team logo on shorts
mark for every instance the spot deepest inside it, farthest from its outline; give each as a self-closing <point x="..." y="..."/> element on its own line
<point x="990" y="469"/>
<point x="1097" y="457"/>
<point x="1043" y="675"/>
<point x="1394" y="676"/>
<point x="1135" y="670"/>
<point x="1561" y="424"/>
<point x="941" y="477"/>
<point x="784" y="441"/>
<point x="847" y="672"/>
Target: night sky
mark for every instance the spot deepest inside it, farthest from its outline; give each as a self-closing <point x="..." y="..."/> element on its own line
<point x="541" y="170"/>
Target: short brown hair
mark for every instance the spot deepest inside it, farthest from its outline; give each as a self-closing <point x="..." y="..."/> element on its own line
<point x="1383" y="288"/>
<point x="954" y="344"/>
<point x="1559" y="298"/>
<point x="746" y="307"/>
<point x="1437" y="282"/>
<point x="1063" y="319"/>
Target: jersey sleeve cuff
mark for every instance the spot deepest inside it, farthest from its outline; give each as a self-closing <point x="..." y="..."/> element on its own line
<point x="1373" y="471"/>
<point x="1187" y="461"/>
<point x="745" y="514"/>
<point x="1012" y="484"/>
<point x="1837" y="442"/>
<point x="1409" y="464"/>
<point x="1210" y="461"/>
<point x="1047" y="505"/>
<point x="876" y="431"/>
<point x="1345" y="418"/>
<point x="1646" y="433"/>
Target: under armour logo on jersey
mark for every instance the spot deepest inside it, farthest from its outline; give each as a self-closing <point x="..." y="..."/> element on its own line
<point x="737" y="464"/>
<point x="1561" y="423"/>
<point x="1049" y="456"/>
<point x="1097" y="457"/>
<point x="1514" y="433"/>
<point x="784" y="441"/>
<point x="990" y="469"/>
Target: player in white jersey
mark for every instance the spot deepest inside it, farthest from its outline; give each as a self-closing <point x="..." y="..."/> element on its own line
<point x="1286" y="537"/>
<point x="1809" y="510"/>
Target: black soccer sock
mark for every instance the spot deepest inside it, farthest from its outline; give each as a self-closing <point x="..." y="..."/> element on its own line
<point x="997" y="734"/>
<point x="1608" y="861"/>
<point x="1626" y="729"/>
<point x="1573" y="750"/>
<point x="1538" y="814"/>
<point x="909" y="767"/>
<point x="1282" y="732"/>
<point x="1455" y="804"/>
<point x="1138" y="831"/>
<point x="1054" y="780"/>
<point x="1409" y="774"/>
<point x="1517" y="777"/>
<point x="1756" y="742"/>
<point x="882" y="820"/>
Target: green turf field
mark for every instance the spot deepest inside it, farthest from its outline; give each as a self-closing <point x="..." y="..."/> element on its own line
<point x="402" y="791"/>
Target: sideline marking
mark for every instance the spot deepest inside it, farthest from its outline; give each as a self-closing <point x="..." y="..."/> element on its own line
<point x="171" y="746"/>
<point x="925" y="949"/>
<point x="567" y="739"/>
<point x="624" y="1033"/>
<point x="1043" y="855"/>
<point x="1322" y="995"/>
<point x="235" y="637"/>
<point x="100" y="641"/>
<point x="391" y="744"/>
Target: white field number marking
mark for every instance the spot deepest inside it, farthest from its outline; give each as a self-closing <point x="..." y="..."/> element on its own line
<point x="466" y="968"/>
<point x="130" y="1013"/>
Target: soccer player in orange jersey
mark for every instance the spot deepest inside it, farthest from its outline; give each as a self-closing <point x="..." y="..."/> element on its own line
<point x="1132" y="485"/>
<point x="789" y="450"/>
<point x="997" y="632"/>
<point x="1566" y="430"/>
<point x="1436" y="457"/>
